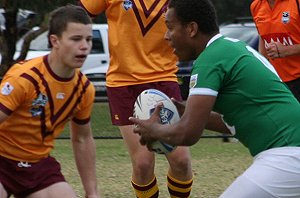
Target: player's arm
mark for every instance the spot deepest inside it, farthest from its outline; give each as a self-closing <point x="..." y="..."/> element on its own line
<point x="284" y="50"/>
<point x="196" y="117"/>
<point x="85" y="157"/>
<point x="261" y="47"/>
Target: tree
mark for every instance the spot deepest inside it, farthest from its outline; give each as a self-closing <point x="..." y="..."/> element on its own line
<point x="10" y="33"/>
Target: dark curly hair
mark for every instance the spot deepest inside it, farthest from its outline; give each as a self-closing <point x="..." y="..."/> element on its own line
<point x="200" y="11"/>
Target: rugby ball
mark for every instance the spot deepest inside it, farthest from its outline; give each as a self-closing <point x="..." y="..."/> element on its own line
<point x="145" y="105"/>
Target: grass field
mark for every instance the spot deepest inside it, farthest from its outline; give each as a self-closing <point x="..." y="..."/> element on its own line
<point x="215" y="166"/>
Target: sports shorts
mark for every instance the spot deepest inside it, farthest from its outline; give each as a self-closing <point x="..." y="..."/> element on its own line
<point x="22" y="178"/>
<point x="122" y="99"/>
<point x="274" y="173"/>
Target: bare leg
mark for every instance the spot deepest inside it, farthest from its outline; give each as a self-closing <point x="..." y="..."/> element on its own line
<point x="61" y="189"/>
<point x="3" y="193"/>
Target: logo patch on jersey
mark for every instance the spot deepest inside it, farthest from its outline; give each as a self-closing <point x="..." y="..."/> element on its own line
<point x="127" y="4"/>
<point x="7" y="89"/>
<point x="60" y="96"/>
<point x="285" y="17"/>
<point x="193" y="80"/>
<point x="38" y="105"/>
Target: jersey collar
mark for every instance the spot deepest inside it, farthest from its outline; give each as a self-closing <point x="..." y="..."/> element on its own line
<point x="213" y="39"/>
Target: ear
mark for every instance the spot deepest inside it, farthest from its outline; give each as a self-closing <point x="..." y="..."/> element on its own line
<point x="54" y="40"/>
<point x="192" y="29"/>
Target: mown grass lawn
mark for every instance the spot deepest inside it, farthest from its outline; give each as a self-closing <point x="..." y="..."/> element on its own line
<point x="215" y="166"/>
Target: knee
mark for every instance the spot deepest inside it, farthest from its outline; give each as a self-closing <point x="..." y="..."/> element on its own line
<point x="142" y="166"/>
<point x="180" y="162"/>
<point x="181" y="165"/>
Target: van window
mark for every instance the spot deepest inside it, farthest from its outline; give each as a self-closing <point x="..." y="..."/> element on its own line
<point x="97" y="43"/>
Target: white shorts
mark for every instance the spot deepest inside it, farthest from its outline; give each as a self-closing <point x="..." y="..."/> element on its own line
<point x="275" y="173"/>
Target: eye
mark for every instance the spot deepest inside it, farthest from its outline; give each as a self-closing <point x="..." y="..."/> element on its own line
<point x="76" y="39"/>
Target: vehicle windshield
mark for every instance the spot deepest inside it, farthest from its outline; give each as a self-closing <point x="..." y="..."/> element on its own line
<point x="40" y="43"/>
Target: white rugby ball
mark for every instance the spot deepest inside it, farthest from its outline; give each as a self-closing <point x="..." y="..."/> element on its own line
<point x="145" y="105"/>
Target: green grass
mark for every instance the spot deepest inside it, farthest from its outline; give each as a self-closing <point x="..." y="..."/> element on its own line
<point x="100" y="122"/>
<point x="215" y="166"/>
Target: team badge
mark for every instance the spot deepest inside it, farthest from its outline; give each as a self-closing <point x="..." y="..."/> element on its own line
<point x="193" y="80"/>
<point x="7" y="89"/>
<point x="285" y="17"/>
<point x="38" y="105"/>
<point x="60" y="96"/>
<point x="127" y="4"/>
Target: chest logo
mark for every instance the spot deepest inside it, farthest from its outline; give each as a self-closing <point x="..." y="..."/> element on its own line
<point x="38" y="105"/>
<point x="127" y="4"/>
<point x="60" y="95"/>
<point x="285" y="17"/>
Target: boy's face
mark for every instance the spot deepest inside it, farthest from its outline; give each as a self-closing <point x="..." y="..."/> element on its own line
<point x="74" y="45"/>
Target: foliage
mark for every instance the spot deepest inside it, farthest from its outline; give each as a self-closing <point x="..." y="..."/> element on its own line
<point x="10" y="34"/>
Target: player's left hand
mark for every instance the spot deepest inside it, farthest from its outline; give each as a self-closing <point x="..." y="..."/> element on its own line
<point x="147" y="128"/>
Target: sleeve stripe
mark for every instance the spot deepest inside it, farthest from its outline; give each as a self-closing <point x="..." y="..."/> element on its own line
<point x="5" y="110"/>
<point x="203" y="91"/>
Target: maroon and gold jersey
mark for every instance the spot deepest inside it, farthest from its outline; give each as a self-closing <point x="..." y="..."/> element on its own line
<point x="139" y="53"/>
<point x="39" y="104"/>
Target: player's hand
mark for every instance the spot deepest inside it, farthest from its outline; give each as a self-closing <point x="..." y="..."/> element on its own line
<point x="179" y="105"/>
<point x="147" y="128"/>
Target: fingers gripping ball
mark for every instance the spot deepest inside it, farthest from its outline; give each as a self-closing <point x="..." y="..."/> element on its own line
<point x="145" y="105"/>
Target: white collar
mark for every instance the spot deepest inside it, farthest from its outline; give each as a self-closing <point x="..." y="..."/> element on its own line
<point x="213" y="39"/>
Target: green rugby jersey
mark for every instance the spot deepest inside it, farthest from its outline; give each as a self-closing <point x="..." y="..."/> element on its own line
<point x="250" y="95"/>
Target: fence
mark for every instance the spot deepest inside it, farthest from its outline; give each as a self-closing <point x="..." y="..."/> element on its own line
<point x="103" y="129"/>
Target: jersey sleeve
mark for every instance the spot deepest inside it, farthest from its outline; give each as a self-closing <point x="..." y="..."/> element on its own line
<point x="94" y="7"/>
<point x="206" y="79"/>
<point x="86" y="106"/>
<point x="13" y="93"/>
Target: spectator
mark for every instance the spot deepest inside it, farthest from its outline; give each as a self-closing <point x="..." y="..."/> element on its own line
<point x="278" y="24"/>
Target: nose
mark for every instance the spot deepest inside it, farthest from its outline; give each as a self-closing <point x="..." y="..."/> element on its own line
<point x="166" y="36"/>
<point x="85" y="44"/>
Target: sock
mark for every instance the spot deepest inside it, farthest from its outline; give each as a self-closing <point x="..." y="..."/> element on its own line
<point x="146" y="191"/>
<point x="179" y="189"/>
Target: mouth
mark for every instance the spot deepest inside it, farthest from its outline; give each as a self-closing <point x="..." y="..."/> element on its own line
<point x="81" y="58"/>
